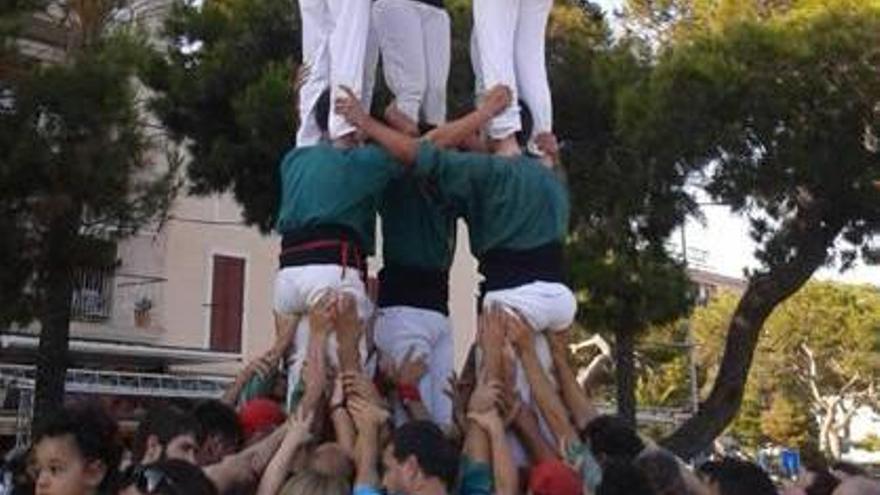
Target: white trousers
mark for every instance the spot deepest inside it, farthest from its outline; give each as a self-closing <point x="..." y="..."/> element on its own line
<point x="547" y="307"/>
<point x="297" y="289"/>
<point x="414" y="38"/>
<point x="336" y="46"/>
<point x="507" y="47"/>
<point x="429" y="333"/>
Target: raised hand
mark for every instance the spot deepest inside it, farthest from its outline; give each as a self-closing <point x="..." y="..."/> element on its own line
<point x="558" y="343"/>
<point x="486" y="396"/>
<point x="348" y="322"/>
<point x="411" y="369"/>
<point x="489" y="420"/>
<point x="491" y="330"/>
<point x="299" y="424"/>
<point x="498" y="98"/>
<point x="349" y="107"/>
<point x="357" y="385"/>
<point x="323" y="314"/>
<point x="519" y="333"/>
<point x="365" y="414"/>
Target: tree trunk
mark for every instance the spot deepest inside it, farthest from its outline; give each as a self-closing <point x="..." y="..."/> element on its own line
<point x="56" y="288"/>
<point x="764" y="292"/>
<point x="625" y="372"/>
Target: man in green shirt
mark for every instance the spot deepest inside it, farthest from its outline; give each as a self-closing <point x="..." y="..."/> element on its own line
<point x="330" y="193"/>
<point x="418" y="242"/>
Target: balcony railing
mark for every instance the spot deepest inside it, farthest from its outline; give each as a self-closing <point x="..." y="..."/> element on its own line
<point x="105" y="295"/>
<point x="92" y="294"/>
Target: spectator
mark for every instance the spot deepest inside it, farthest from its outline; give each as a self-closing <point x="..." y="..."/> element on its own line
<point x="166" y="433"/>
<point x="620" y="477"/>
<point x="75" y="453"/>
<point x="168" y="477"/>
<point x="735" y="477"/>
<point x="821" y="482"/>
<point x="311" y="482"/>
<point x="258" y="418"/>
<point x="663" y="472"/>
<point x="221" y="432"/>
<point x="843" y="470"/>
<point x="610" y="436"/>
<point x="419" y="456"/>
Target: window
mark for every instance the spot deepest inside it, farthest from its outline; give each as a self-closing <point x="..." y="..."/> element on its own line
<point x="227" y="303"/>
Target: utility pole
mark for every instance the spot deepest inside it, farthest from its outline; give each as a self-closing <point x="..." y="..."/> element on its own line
<point x="689" y="342"/>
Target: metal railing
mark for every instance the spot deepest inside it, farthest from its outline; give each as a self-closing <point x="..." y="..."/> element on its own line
<point x="92" y="298"/>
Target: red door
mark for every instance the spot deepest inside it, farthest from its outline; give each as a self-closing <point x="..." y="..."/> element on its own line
<point x="227" y="304"/>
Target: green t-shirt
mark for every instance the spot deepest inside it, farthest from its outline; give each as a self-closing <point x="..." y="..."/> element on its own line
<point x="509" y="203"/>
<point x="322" y="185"/>
<point x="474" y="478"/>
<point x="418" y="226"/>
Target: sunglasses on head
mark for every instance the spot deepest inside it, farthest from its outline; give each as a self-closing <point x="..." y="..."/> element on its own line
<point x="150" y="480"/>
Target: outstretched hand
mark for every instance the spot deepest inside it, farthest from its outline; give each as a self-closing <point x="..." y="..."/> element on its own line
<point x="349" y="107"/>
<point x="498" y="98"/>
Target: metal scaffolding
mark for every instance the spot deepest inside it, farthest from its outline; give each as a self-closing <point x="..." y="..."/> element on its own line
<point x="100" y="382"/>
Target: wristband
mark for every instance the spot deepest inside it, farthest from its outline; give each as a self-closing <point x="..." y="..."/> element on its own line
<point x="408" y="393"/>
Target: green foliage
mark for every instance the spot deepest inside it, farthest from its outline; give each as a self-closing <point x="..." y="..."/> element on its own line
<point x="871" y="443"/>
<point x="72" y="146"/>
<point x="838" y="322"/>
<point x="225" y="84"/>
<point x="787" y="422"/>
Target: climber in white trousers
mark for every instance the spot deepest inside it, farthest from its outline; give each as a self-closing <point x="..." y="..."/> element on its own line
<point x="336" y="45"/>
<point x="508" y="44"/>
<point x="414" y="39"/>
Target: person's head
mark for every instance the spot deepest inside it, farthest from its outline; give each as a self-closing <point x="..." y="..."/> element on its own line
<point x="554" y="478"/>
<point x="820" y="482"/>
<point x="663" y="472"/>
<point x="621" y="477"/>
<point x="168" y="477"/>
<point x="75" y="452"/>
<point x="310" y="482"/>
<point x="221" y="432"/>
<point x="844" y="470"/>
<point x="419" y="454"/>
<point x="611" y="436"/>
<point x="259" y="417"/>
<point x="858" y="485"/>
<point x="331" y="459"/>
<point x="166" y="433"/>
<point x="735" y="477"/>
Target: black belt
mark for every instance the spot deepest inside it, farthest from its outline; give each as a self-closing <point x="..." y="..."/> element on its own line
<point x="332" y="244"/>
<point x="414" y="287"/>
<point x="508" y="268"/>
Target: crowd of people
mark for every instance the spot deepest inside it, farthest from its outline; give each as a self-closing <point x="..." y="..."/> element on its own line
<point x="351" y="434"/>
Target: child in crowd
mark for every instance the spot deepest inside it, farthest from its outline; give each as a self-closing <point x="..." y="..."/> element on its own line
<point x="76" y="453"/>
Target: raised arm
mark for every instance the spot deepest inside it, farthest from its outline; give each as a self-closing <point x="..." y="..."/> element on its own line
<point x="245" y="467"/>
<point x="273" y="478"/>
<point x="321" y="320"/>
<point x="368" y="418"/>
<point x="503" y="468"/>
<point x="452" y="134"/>
<point x="581" y="407"/>
<point x="404" y="147"/>
<point x="523" y="339"/>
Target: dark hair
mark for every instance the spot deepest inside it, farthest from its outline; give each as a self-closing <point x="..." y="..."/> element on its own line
<point x="322" y="111"/>
<point x="620" y="477"/>
<point x="848" y="468"/>
<point x="823" y="483"/>
<point x="736" y="477"/>
<point x="663" y="472"/>
<point x="436" y="455"/>
<point x="172" y="477"/>
<point x="611" y="436"/>
<point x="166" y="423"/>
<point x="93" y="431"/>
<point x="527" y="125"/>
<point x="217" y="418"/>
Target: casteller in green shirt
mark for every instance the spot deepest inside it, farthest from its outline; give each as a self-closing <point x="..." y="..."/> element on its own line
<point x="510" y="203"/>
<point x="418" y="225"/>
<point x="322" y="185"/>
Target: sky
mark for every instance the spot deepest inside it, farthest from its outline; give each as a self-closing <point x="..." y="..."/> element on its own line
<point x="725" y="236"/>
